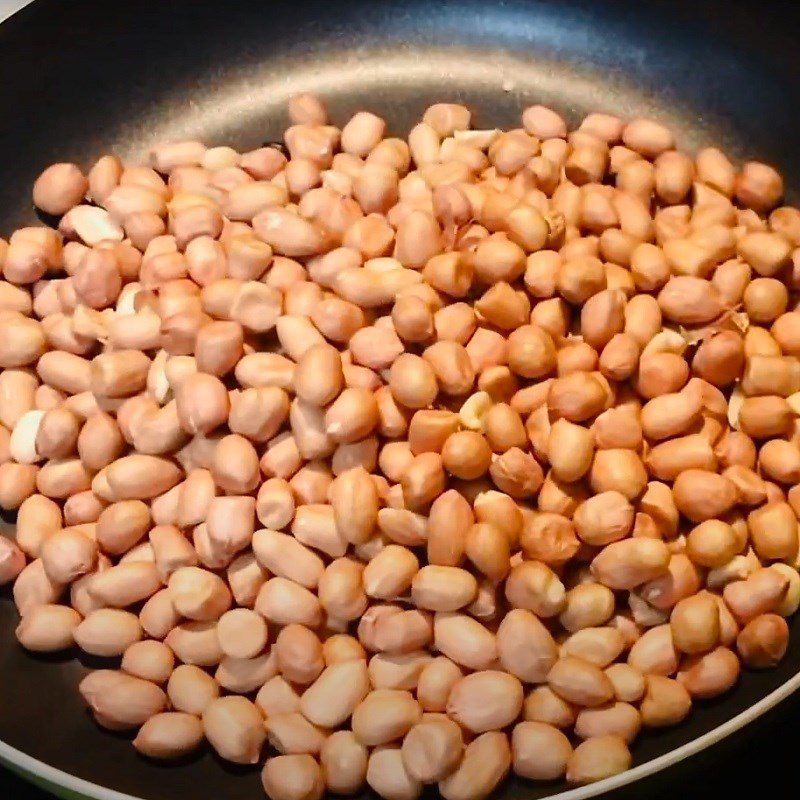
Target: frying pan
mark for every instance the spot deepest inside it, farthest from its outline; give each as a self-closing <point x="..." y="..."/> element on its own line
<point x="81" y="79"/>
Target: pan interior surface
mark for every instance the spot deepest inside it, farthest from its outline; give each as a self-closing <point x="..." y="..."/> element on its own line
<point x="109" y="78"/>
<point x="82" y="80"/>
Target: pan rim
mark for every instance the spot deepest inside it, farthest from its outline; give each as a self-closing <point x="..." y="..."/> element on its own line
<point x="33" y="767"/>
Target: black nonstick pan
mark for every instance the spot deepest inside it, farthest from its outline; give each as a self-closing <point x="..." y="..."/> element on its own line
<point x="81" y="78"/>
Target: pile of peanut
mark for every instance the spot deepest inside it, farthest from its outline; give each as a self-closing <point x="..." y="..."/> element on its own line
<point x="404" y="462"/>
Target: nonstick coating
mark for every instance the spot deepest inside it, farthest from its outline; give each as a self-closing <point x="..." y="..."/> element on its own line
<point x="81" y="79"/>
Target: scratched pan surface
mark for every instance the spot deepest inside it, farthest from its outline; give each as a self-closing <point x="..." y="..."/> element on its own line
<point x="80" y="79"/>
